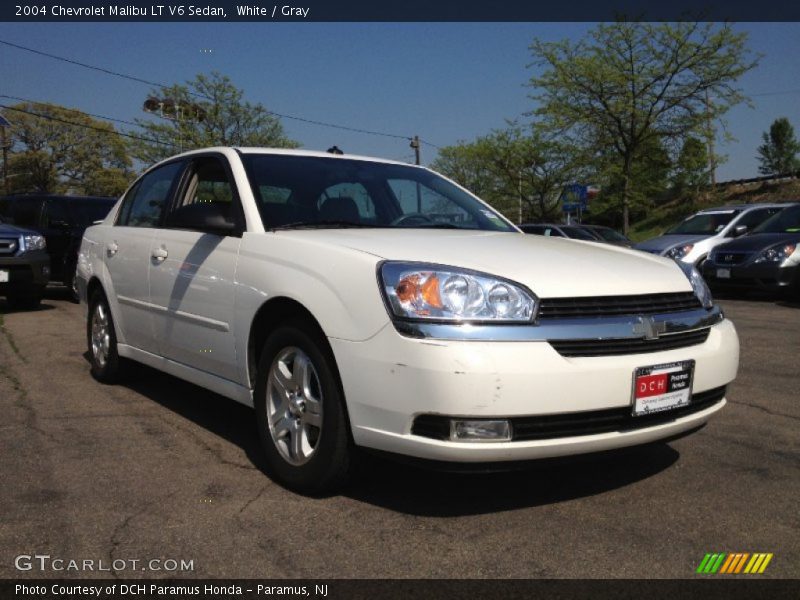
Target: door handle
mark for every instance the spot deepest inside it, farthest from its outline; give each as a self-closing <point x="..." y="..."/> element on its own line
<point x="160" y="254"/>
<point x="112" y="249"/>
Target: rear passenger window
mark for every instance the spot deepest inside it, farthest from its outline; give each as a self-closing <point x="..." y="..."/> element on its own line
<point x="56" y="214"/>
<point x="148" y="199"/>
<point x="27" y="212"/>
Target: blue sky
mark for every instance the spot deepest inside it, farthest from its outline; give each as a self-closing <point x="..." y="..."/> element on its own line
<point x="444" y="82"/>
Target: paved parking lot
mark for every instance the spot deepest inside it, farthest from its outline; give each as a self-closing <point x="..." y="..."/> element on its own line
<point x="158" y="468"/>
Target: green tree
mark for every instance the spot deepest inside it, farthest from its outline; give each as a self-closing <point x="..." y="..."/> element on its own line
<point x="691" y="167"/>
<point x="649" y="178"/>
<point x="208" y="111"/>
<point x="628" y="83"/>
<point x="517" y="170"/>
<point x="58" y="150"/>
<point x="778" y="153"/>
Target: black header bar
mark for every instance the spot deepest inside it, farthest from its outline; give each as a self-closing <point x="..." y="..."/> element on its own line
<point x="397" y="10"/>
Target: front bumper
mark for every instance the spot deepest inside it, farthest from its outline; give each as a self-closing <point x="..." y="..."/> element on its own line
<point x="389" y="380"/>
<point x="760" y="276"/>
<point x="28" y="274"/>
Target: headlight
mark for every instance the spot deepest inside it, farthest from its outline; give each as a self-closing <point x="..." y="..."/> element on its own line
<point x="776" y="254"/>
<point x="698" y="284"/>
<point x="34" y="242"/>
<point x="679" y="252"/>
<point x="436" y="293"/>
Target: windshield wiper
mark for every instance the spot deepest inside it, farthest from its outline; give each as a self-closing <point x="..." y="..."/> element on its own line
<point x="324" y="225"/>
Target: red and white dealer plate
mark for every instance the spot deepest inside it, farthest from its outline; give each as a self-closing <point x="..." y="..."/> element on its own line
<point x="662" y="387"/>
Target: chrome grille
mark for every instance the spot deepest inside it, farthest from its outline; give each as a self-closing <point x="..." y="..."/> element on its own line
<point x="605" y="306"/>
<point x="730" y="258"/>
<point x="621" y="346"/>
<point x="8" y="246"/>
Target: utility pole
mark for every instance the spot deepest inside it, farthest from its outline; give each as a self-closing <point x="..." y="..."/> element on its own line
<point x="415" y="145"/>
<point x="519" y="218"/>
<point x="4" y="124"/>
<point x="711" y="158"/>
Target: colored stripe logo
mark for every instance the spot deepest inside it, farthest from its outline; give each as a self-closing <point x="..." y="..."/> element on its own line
<point x="734" y="562"/>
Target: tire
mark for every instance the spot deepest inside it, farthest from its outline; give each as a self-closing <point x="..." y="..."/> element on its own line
<point x="24" y="302"/>
<point x="302" y="421"/>
<point x="71" y="284"/>
<point x="101" y="338"/>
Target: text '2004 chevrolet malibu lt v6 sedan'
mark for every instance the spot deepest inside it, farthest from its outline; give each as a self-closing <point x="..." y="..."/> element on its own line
<point x="361" y="303"/>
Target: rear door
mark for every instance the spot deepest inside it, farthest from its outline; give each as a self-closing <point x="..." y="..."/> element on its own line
<point x="192" y="274"/>
<point x="127" y="253"/>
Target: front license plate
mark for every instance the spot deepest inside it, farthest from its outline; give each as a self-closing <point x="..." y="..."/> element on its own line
<point x="662" y="387"/>
<point x="723" y="273"/>
<point x="3" y="276"/>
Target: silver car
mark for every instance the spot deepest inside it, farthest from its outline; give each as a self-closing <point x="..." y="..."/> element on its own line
<point x="693" y="238"/>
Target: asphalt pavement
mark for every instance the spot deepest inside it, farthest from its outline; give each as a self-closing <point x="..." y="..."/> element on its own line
<point x="159" y="469"/>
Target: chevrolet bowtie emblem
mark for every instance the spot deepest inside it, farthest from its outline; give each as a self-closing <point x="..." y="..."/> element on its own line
<point x="649" y="328"/>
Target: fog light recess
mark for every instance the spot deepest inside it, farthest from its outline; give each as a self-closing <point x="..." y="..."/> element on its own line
<point x="483" y="430"/>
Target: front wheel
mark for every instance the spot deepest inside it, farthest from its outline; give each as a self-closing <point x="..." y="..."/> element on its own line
<point x="300" y="411"/>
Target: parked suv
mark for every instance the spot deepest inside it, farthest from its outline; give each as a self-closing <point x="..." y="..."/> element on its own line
<point x="692" y="239"/>
<point x="360" y="303"/>
<point x="24" y="266"/>
<point x="61" y="220"/>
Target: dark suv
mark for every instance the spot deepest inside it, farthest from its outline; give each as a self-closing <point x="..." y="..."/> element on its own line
<point x="61" y="220"/>
<point x="24" y="266"/>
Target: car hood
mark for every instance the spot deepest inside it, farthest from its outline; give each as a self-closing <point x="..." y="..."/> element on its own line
<point x="8" y="229"/>
<point x="665" y="242"/>
<point x="550" y="267"/>
<point x="758" y="241"/>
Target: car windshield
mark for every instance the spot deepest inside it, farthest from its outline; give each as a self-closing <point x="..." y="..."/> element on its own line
<point x="86" y="212"/>
<point x="786" y="221"/>
<point x="577" y="233"/>
<point x="307" y="191"/>
<point x="609" y="235"/>
<point x="704" y="223"/>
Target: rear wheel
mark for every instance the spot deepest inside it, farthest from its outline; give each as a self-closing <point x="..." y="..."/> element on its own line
<point x="71" y="284"/>
<point x="102" y="340"/>
<point x="300" y="411"/>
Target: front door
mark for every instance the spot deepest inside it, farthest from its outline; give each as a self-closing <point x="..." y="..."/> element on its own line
<point x="192" y="274"/>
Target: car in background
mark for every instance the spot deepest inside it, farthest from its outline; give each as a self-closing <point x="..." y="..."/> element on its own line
<point x="691" y="240"/>
<point x="362" y="303"/>
<point x="61" y="220"/>
<point x="24" y="266"/>
<point x="575" y="232"/>
<point x="768" y="258"/>
<point x="608" y="235"/>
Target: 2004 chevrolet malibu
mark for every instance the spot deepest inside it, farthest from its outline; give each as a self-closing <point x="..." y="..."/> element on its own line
<point x="358" y="303"/>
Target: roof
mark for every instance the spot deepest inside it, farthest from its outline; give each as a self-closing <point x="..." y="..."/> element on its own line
<point x="294" y="152"/>
<point x="732" y="207"/>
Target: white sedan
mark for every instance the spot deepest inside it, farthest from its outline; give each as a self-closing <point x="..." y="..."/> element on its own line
<point x="358" y="303"/>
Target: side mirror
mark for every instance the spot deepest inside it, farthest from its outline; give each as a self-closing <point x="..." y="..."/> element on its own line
<point x="739" y="230"/>
<point x="212" y="217"/>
